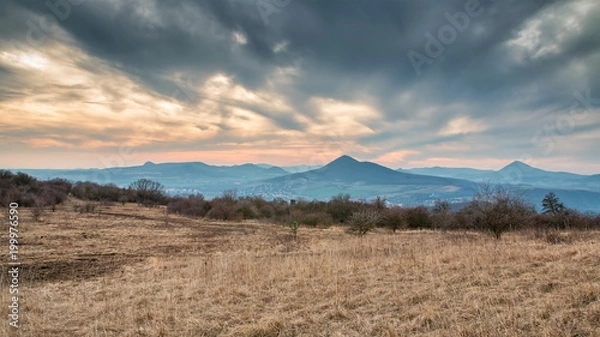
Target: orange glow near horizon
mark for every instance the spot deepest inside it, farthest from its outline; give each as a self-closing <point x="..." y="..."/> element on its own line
<point x="82" y="160"/>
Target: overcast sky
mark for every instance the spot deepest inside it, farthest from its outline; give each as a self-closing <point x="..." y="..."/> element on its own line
<point x="402" y="83"/>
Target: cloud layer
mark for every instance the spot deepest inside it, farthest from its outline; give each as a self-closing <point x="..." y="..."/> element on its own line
<point x="403" y="83"/>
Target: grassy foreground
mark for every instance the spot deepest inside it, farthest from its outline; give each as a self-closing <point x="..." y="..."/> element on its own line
<point x="130" y="271"/>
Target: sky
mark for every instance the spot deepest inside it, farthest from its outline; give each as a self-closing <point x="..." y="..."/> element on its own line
<point x="458" y="83"/>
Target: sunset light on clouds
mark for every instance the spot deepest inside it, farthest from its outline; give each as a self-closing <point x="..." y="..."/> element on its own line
<point x="117" y="83"/>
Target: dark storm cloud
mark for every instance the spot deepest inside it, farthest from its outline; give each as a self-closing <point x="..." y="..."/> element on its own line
<point x="337" y="40"/>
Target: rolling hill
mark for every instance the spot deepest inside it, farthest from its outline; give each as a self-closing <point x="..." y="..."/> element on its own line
<point x="516" y="173"/>
<point x="362" y="180"/>
<point x="178" y="178"/>
<point x="448" y="172"/>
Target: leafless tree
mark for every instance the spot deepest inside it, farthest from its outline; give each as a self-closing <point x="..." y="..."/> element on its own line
<point x="363" y="221"/>
<point x="499" y="208"/>
<point x="148" y="192"/>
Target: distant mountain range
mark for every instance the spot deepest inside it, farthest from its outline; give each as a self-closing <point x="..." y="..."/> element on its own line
<point x="362" y="180"/>
<point x="178" y="178"/>
<point x="516" y="173"/>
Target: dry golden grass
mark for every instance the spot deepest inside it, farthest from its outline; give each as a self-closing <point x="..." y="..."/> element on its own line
<point x="125" y="272"/>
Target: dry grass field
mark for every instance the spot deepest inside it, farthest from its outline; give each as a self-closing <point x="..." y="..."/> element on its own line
<point x="127" y="272"/>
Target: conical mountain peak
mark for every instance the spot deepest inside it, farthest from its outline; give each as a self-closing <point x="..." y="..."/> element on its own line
<point x="517" y="165"/>
<point x="344" y="160"/>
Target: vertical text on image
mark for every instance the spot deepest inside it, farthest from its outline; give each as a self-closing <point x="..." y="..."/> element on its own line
<point x="14" y="264"/>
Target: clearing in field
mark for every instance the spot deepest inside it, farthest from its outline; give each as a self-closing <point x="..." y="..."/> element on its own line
<point x="130" y="271"/>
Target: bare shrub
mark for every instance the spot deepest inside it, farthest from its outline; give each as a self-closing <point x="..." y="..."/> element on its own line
<point x="20" y="188"/>
<point x="341" y="208"/>
<point x="440" y="207"/>
<point x="379" y="204"/>
<point x="110" y="192"/>
<point x="193" y="205"/>
<point x="498" y="209"/>
<point x="148" y="192"/>
<point x="223" y="209"/>
<point x="565" y="219"/>
<point x="247" y="209"/>
<point x="258" y="201"/>
<point x="363" y="221"/>
<point x="85" y="190"/>
<point x="573" y="219"/>
<point x="443" y="217"/>
<point x="542" y="222"/>
<point x="54" y="192"/>
<point x="123" y="199"/>
<point x="394" y="219"/>
<point x="267" y="211"/>
<point x="418" y="217"/>
<point x="281" y="208"/>
<point x="465" y="218"/>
